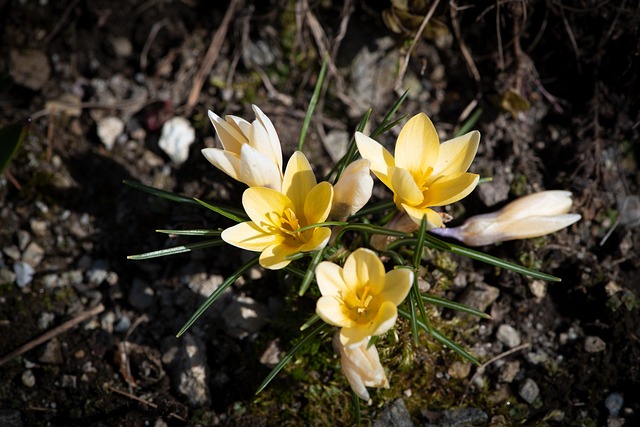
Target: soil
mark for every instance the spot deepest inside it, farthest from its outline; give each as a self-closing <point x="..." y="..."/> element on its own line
<point x="557" y="85"/>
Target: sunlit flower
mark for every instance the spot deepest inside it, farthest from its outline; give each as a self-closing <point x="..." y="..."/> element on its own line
<point x="352" y="191"/>
<point x="360" y="298"/>
<point x="424" y="173"/>
<point x="251" y="151"/>
<point x="277" y="217"/>
<point x="361" y="365"/>
<point x="529" y="216"/>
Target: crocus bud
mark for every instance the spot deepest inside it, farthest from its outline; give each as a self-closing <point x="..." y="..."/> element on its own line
<point x="352" y="191"/>
<point x="361" y="366"/>
<point x="529" y="216"/>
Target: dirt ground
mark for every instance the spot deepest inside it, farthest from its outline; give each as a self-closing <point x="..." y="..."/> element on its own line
<point x="557" y="86"/>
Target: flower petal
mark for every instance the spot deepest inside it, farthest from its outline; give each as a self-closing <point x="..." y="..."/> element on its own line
<point x="264" y="205"/>
<point x="317" y="204"/>
<point x="230" y="137"/>
<point x="331" y="310"/>
<point x="363" y="267"/>
<point x="404" y="186"/>
<point x="416" y="214"/>
<point x="386" y="318"/>
<point x="534" y="226"/>
<point x="449" y="189"/>
<point x="397" y="285"/>
<point x="353" y="190"/>
<point x="298" y="181"/>
<point x="256" y="170"/>
<point x="418" y="145"/>
<point x="457" y="154"/>
<point x="226" y="161"/>
<point x="249" y="236"/>
<point x="319" y="239"/>
<point x="380" y="158"/>
<point x="276" y="147"/>
<point x="239" y="124"/>
<point x="275" y="256"/>
<point x="329" y="278"/>
<point x="552" y="202"/>
<point x="353" y="337"/>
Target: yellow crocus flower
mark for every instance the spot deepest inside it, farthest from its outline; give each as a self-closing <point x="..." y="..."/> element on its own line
<point x="251" y="152"/>
<point x="360" y="298"/>
<point x="277" y="217"/>
<point x="423" y="173"/>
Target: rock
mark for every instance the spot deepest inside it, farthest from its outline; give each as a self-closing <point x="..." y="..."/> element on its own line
<point x="141" y="295"/>
<point x="614" y="403"/>
<point x="537" y="357"/>
<point x="260" y="53"/>
<point x="45" y="320"/>
<point x="593" y="344"/>
<point x="461" y="417"/>
<point x="509" y="371"/>
<point x="23" y="239"/>
<point x="109" y="129"/>
<point x="176" y="138"/>
<point x="123" y="324"/>
<point x="529" y="390"/>
<point x="245" y="316"/>
<point x="459" y="369"/>
<point x="538" y="288"/>
<point x="271" y="356"/>
<point x="52" y="353"/>
<point x="508" y="335"/>
<point x="615" y="422"/>
<point x="122" y="47"/>
<point x="10" y="418"/>
<point x="24" y="273"/>
<point x="336" y="143"/>
<point x="38" y="226"/>
<point x="480" y="297"/>
<point x="33" y="254"/>
<point x="12" y="252"/>
<point x="186" y="361"/>
<point x="395" y="414"/>
<point x="28" y="379"/>
<point x="29" y="68"/>
<point x="98" y="272"/>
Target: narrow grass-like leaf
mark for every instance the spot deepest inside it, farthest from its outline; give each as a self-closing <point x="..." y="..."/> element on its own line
<point x="312" y="103"/>
<point x="378" y="207"/>
<point x="287" y="358"/>
<point x="443" y="302"/>
<point x="382" y="126"/>
<point x="417" y="260"/>
<point x="294" y="270"/>
<point x="371" y="229"/>
<point x="161" y="193"/>
<point x="413" y="319"/>
<point x="232" y="214"/>
<point x="442" y="338"/>
<point x="215" y="294"/>
<point x="392" y="124"/>
<point x="311" y="272"/>
<point x="11" y="137"/>
<point x="322" y="224"/>
<point x="469" y="123"/>
<point x="355" y="399"/>
<point x="342" y="164"/>
<point x="191" y="232"/>
<point x="176" y="250"/>
<point x="310" y="322"/>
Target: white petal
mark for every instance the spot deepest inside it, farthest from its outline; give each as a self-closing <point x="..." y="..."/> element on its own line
<point x="258" y="171"/>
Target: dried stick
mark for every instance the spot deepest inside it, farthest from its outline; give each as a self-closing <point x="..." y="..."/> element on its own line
<point x="211" y="56"/>
<point x="53" y="333"/>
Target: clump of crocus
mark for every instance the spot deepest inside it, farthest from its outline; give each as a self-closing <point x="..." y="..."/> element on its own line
<point x="533" y="215"/>
<point x="277" y="218"/>
<point x="360" y="298"/>
<point x="251" y="152"/>
<point x="424" y="173"/>
<point x="361" y="365"/>
<point x="352" y="191"/>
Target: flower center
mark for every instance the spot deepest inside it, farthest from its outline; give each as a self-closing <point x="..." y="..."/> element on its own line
<point x="289" y="223"/>
<point x="363" y="299"/>
<point x="422" y="179"/>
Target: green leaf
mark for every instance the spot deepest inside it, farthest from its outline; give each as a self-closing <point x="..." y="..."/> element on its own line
<point x="176" y="250"/>
<point x="11" y="137"/>
<point x="417" y="259"/>
<point x="443" y="302"/>
<point x="382" y="127"/>
<point x="191" y="232"/>
<point x="286" y="359"/>
<point x="311" y="272"/>
<point x="310" y="322"/>
<point x="312" y="103"/>
<point x="232" y="214"/>
<point x="160" y="193"/>
<point x="469" y="124"/>
<point x="215" y="294"/>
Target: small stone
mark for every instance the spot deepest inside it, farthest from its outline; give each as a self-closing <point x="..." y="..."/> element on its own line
<point x="45" y="320"/>
<point x="29" y="68"/>
<point x="33" y="254"/>
<point x="10" y="418"/>
<point x="12" y="252"/>
<point x="537" y="357"/>
<point x="123" y="324"/>
<point x="615" y="422"/>
<point x="176" y="138"/>
<point x="122" y="47"/>
<point x="480" y="297"/>
<point x="245" y="316"/>
<point x="464" y="417"/>
<point x="271" y="356"/>
<point x="538" y="288"/>
<point x="23" y="239"/>
<point x="186" y="362"/>
<point x="459" y="369"/>
<point x="28" y="379"/>
<point x="614" y="403"/>
<point x="52" y="353"/>
<point x="593" y="344"/>
<point x="109" y="129"/>
<point x="98" y="272"/>
<point x="24" y="273"/>
<point x="38" y="226"/>
<point x="69" y="381"/>
<point x="529" y="390"/>
<point x="336" y="143"/>
<point x="141" y="295"/>
<point x="510" y="371"/>
<point x="508" y="335"/>
<point x="612" y="288"/>
<point x="394" y="414"/>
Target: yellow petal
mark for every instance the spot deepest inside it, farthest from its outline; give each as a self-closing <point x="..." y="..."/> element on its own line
<point x="404" y="186"/>
<point x="256" y="170"/>
<point x="386" y="318"/>
<point x="264" y="205"/>
<point x="449" y="189"/>
<point x="226" y="161"/>
<point x="240" y="125"/>
<point x="248" y="236"/>
<point x="379" y="157"/>
<point x="353" y="337"/>
<point x="331" y="310"/>
<point x="457" y="154"/>
<point x="230" y="138"/>
<point x="418" y="145"/>
<point x="318" y="203"/>
<point x="274" y="256"/>
<point x="416" y="214"/>
<point x="329" y="278"/>
<point x="397" y="285"/>
<point x="298" y="181"/>
<point x="274" y="141"/>
<point x="363" y="267"/>
<point x="319" y="239"/>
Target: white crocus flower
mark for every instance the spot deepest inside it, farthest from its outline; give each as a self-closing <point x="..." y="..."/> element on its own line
<point x="529" y="216"/>
<point x="251" y="152"/>
<point x="352" y="191"/>
<point x="361" y="365"/>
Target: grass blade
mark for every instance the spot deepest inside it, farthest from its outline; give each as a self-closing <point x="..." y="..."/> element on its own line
<point x="232" y="214"/>
<point x="311" y="272"/>
<point x="443" y="302"/>
<point x="176" y="250"/>
<point x="11" y="137"/>
<point x="191" y="232"/>
<point x="312" y="103"/>
<point x="160" y="193"/>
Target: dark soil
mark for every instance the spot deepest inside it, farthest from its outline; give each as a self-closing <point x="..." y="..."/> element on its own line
<point x="557" y="83"/>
